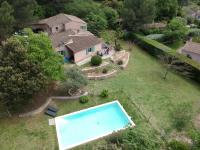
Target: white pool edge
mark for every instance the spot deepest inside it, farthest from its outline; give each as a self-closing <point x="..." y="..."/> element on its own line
<point x="94" y="138"/>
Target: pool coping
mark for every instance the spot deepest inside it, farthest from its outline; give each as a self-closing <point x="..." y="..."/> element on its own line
<point x="96" y="137"/>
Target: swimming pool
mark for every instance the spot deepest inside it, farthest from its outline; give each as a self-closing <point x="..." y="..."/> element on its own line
<point x="89" y="124"/>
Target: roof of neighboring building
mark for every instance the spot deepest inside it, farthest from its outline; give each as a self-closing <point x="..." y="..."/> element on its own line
<point x="60" y="19"/>
<point x="82" y="42"/>
<point x="192" y="47"/>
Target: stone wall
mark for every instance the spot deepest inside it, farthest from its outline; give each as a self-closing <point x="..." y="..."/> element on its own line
<point x="102" y="76"/>
<point x="43" y="107"/>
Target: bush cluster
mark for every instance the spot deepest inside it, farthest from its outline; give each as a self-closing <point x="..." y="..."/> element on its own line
<point x="96" y="60"/>
<point x="104" y="93"/>
<point x="177" y="145"/>
<point x="84" y="99"/>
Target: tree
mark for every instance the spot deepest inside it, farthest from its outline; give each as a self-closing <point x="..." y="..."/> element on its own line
<point x="20" y="78"/>
<point x="172" y="63"/>
<point x="176" y="29"/>
<point x="138" y="12"/>
<point x="6" y="20"/>
<point x="41" y="52"/>
<point x="168" y="62"/>
<point x="24" y="12"/>
<point x="183" y="2"/>
<point x="111" y="16"/>
<point x="96" y="23"/>
<point x="166" y="9"/>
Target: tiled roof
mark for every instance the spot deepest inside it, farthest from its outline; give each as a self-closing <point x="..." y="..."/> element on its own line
<point x="82" y="42"/>
<point x="61" y="37"/>
<point x="60" y="19"/>
<point x="75" y="42"/>
<point x="192" y="47"/>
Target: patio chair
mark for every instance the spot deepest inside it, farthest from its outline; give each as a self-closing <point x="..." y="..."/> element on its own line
<point x="50" y="113"/>
<point x="51" y="108"/>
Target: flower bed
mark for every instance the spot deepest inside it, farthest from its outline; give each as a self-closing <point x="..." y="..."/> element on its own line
<point x="101" y="76"/>
<point x="92" y="69"/>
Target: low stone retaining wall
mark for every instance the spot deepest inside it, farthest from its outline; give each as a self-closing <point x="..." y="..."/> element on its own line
<point x="102" y="76"/>
<point x="43" y="107"/>
<point x="118" y="56"/>
<point x="91" y="69"/>
<point x="125" y="60"/>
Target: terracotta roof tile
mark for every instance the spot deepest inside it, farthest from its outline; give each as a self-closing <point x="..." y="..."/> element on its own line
<point x="192" y="47"/>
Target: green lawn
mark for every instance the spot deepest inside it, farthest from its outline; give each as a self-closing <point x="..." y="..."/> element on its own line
<point x="141" y="82"/>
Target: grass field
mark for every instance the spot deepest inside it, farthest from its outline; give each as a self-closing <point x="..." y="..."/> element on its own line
<point x="141" y="83"/>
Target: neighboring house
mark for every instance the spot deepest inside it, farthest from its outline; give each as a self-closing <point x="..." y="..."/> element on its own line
<point x="70" y="37"/>
<point x="195" y="14"/>
<point x="192" y="49"/>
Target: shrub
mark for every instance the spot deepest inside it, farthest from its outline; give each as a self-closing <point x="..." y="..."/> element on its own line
<point x="104" y="93"/>
<point x="75" y="79"/>
<point x="96" y="60"/>
<point x="136" y="139"/>
<point x="177" y="145"/>
<point x="195" y="136"/>
<point x="105" y="70"/>
<point x="83" y="99"/>
<point x="118" y="47"/>
<point x="157" y="37"/>
<point x="188" y="56"/>
<point x="120" y="62"/>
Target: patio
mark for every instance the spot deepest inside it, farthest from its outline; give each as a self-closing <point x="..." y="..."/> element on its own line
<point x="106" y="52"/>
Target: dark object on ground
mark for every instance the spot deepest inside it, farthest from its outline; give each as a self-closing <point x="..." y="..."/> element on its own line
<point x="51" y="108"/>
<point x="50" y="113"/>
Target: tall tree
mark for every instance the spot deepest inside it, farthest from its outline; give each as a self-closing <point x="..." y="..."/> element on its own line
<point x="6" y="20"/>
<point x="20" y="78"/>
<point x="24" y="12"/>
<point x="40" y="51"/>
<point x="166" y="9"/>
<point x="138" y="12"/>
<point x="176" y="29"/>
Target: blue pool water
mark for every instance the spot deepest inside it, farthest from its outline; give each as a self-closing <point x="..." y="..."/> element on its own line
<point x="86" y="125"/>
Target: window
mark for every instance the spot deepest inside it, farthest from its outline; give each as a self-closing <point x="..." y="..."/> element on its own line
<point x="61" y="52"/>
<point x="89" y="50"/>
<point x="56" y="28"/>
<point x="84" y="27"/>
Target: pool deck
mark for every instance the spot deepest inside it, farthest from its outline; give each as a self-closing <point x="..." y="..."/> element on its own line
<point x="94" y="138"/>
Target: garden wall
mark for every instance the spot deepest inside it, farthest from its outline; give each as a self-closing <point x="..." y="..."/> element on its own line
<point x="102" y="76"/>
<point x="43" y="107"/>
<point x="155" y="49"/>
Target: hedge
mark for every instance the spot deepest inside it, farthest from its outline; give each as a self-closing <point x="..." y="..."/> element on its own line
<point x="155" y="49"/>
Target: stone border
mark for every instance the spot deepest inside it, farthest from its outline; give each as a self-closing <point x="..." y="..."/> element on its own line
<point x="43" y="107"/>
<point x="118" y="58"/>
<point x="102" y="76"/>
<point x="123" y="66"/>
<point x="91" y="69"/>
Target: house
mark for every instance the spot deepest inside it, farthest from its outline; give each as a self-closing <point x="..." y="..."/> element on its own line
<point x="192" y="49"/>
<point x="195" y="14"/>
<point x="70" y="37"/>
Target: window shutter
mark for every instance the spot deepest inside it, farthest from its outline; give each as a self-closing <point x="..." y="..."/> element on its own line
<point x="86" y="51"/>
